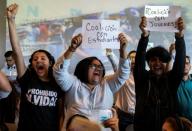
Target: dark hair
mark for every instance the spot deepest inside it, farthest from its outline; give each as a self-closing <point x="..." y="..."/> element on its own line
<point x="81" y="70"/>
<point x="8" y="53"/>
<point x="159" y="52"/>
<point x="179" y="123"/>
<point x="188" y="57"/>
<point x="132" y="51"/>
<point x="72" y="118"/>
<point x="50" y="57"/>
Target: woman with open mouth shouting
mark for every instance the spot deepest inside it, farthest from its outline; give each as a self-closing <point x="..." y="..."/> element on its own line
<point x="88" y="92"/>
<point x="40" y="93"/>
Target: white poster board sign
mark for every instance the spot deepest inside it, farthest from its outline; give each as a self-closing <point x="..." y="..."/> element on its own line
<point x="162" y="18"/>
<point x="100" y="34"/>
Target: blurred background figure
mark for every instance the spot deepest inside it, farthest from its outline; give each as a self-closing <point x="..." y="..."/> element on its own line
<point x="9" y="69"/>
<point x="185" y="88"/>
<point x="125" y="97"/>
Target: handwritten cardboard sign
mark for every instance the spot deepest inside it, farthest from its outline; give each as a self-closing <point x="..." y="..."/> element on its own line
<point x="162" y="18"/>
<point x="100" y="34"/>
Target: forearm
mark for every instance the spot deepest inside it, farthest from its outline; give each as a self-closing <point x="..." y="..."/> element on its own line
<point x="68" y="53"/>
<point x="118" y="79"/>
<point x="61" y="74"/>
<point x="13" y="35"/>
<point x="169" y="65"/>
<point x="123" y="53"/>
<point x="4" y="83"/>
<point x="16" y="47"/>
<point x="140" y="57"/>
<point x="179" y="63"/>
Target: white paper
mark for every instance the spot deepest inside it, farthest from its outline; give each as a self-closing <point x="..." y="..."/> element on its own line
<point x="100" y="34"/>
<point x="162" y="18"/>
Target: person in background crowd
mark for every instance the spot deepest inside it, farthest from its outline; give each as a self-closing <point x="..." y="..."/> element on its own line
<point x="10" y="68"/>
<point x="10" y="62"/>
<point x="185" y="88"/>
<point x="125" y="97"/>
<point x="88" y="92"/>
<point x="156" y="89"/>
<point x="9" y="104"/>
<point x="184" y="92"/>
<point x="39" y="107"/>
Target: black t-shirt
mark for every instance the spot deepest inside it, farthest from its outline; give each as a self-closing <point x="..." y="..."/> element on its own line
<point x="39" y="104"/>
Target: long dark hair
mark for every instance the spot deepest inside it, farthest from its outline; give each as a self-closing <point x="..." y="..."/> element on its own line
<point x="51" y="62"/>
<point x="81" y="70"/>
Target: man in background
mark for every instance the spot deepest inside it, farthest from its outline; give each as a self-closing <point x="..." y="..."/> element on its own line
<point x="9" y="69"/>
<point x="184" y="92"/>
<point x="125" y="98"/>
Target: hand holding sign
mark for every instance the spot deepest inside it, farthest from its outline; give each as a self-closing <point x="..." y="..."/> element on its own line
<point x="143" y="26"/>
<point x="180" y="26"/>
<point x="123" y="45"/>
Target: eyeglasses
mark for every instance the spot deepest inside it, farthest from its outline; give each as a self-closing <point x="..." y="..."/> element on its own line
<point x="94" y="66"/>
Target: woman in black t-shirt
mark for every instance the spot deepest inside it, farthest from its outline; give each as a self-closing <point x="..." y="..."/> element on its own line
<point x="39" y="91"/>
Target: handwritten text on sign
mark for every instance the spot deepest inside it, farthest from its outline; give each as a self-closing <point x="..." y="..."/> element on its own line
<point x="162" y="18"/>
<point x="100" y="34"/>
